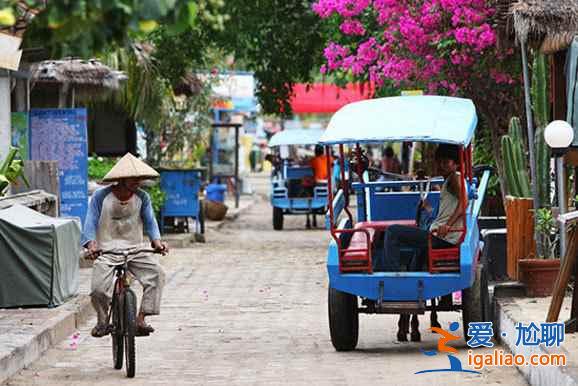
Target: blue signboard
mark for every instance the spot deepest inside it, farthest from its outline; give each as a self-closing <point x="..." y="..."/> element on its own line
<point x="60" y="135"/>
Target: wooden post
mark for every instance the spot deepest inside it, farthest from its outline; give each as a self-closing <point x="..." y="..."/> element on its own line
<point x="63" y="95"/>
<point x="41" y="175"/>
<point x="563" y="278"/>
<point x="520" y="230"/>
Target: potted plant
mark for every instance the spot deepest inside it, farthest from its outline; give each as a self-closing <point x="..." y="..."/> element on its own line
<point x="518" y="205"/>
<point x="539" y="274"/>
<point x="526" y="240"/>
<point x="11" y="169"/>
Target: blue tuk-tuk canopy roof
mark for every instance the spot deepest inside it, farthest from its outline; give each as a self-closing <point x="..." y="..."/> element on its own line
<point x="425" y="118"/>
<point x="296" y="137"/>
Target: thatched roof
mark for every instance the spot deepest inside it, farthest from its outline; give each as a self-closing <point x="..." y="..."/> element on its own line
<point x="84" y="73"/>
<point x="550" y="24"/>
<point x="545" y="17"/>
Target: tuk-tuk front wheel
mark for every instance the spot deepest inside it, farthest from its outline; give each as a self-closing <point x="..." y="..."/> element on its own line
<point x="277" y="218"/>
<point x="343" y="320"/>
<point x="476" y="300"/>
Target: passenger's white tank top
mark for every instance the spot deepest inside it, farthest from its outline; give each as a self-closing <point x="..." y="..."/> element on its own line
<point x="447" y="207"/>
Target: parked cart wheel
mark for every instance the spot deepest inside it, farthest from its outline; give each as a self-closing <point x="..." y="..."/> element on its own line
<point x="476" y="300"/>
<point x="277" y="219"/>
<point x="343" y="320"/>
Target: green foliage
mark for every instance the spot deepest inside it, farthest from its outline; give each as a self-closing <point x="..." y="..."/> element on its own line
<point x="281" y="41"/>
<point x="86" y="27"/>
<point x="541" y="107"/>
<point x="483" y="156"/>
<point x="178" y="52"/>
<point x="98" y="167"/>
<point x="513" y="155"/>
<point x="11" y="171"/>
<point x="148" y="97"/>
<point x="158" y="197"/>
<point x="547" y="227"/>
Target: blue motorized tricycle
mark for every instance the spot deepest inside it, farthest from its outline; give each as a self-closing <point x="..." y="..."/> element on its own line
<point x="356" y="284"/>
<point x="294" y="190"/>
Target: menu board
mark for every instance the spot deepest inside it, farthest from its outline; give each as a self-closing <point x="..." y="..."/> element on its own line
<point x="60" y="135"/>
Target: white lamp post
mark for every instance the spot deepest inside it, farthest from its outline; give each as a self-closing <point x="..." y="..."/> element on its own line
<point x="559" y="136"/>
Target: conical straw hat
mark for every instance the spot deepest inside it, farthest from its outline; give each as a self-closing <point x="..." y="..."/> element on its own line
<point x="130" y="167"/>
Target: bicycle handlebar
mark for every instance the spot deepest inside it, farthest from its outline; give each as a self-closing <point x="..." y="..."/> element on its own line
<point x="127" y="252"/>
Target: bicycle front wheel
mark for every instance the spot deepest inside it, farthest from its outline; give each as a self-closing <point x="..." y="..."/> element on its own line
<point x="117" y="335"/>
<point x="130" y="332"/>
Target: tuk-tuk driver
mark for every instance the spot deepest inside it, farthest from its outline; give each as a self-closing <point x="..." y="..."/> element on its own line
<point x="450" y="214"/>
<point x="118" y="217"/>
<point x="319" y="165"/>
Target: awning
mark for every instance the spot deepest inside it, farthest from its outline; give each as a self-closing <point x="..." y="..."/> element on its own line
<point x="296" y="137"/>
<point x="398" y="119"/>
<point x="320" y="98"/>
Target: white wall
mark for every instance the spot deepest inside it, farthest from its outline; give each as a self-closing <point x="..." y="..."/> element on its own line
<point x="5" y="121"/>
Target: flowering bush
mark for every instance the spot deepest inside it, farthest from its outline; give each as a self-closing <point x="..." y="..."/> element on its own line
<point x="442" y="46"/>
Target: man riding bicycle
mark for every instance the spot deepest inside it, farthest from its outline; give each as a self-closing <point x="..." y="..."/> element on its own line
<point x="118" y="217"/>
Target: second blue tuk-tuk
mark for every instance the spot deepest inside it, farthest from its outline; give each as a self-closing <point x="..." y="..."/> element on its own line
<point x="356" y="285"/>
<point x="293" y="188"/>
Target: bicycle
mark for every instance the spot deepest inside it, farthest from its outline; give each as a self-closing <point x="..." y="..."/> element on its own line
<point x="122" y="315"/>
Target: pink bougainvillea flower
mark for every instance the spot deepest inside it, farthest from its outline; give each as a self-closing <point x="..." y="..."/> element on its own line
<point x="439" y="45"/>
<point x="352" y="27"/>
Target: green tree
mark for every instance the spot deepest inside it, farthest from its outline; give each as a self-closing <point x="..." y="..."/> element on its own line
<point x="281" y="41"/>
<point x="86" y="27"/>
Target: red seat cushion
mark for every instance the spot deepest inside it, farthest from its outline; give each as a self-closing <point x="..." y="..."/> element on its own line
<point x="359" y="239"/>
<point x="382" y="225"/>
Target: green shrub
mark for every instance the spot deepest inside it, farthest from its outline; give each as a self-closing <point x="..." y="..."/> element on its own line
<point x="158" y="197"/>
<point x="99" y="166"/>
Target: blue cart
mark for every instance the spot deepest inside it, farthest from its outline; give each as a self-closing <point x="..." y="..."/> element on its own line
<point x="182" y="188"/>
<point x="288" y="194"/>
<point x="356" y="285"/>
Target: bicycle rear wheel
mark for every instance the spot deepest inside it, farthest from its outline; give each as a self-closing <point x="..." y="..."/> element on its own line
<point x="130" y="332"/>
<point x="117" y="335"/>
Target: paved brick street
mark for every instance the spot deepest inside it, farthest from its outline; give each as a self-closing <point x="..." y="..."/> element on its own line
<point x="249" y="307"/>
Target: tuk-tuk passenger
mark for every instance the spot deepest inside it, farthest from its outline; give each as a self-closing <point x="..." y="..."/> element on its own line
<point x="450" y="214"/>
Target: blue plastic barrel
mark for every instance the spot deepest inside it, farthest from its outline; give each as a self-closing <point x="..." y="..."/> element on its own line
<point x="216" y="192"/>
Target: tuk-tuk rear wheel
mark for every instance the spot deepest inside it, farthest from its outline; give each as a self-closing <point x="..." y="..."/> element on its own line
<point x="476" y="300"/>
<point x="277" y="218"/>
<point x="343" y="320"/>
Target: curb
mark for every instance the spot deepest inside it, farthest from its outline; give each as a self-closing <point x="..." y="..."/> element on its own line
<point x="535" y="375"/>
<point x="65" y="323"/>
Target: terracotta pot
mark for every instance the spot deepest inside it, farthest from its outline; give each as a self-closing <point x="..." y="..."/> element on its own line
<point x="215" y="210"/>
<point x="538" y="275"/>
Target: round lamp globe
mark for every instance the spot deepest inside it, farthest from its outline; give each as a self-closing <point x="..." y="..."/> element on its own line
<point x="559" y="134"/>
